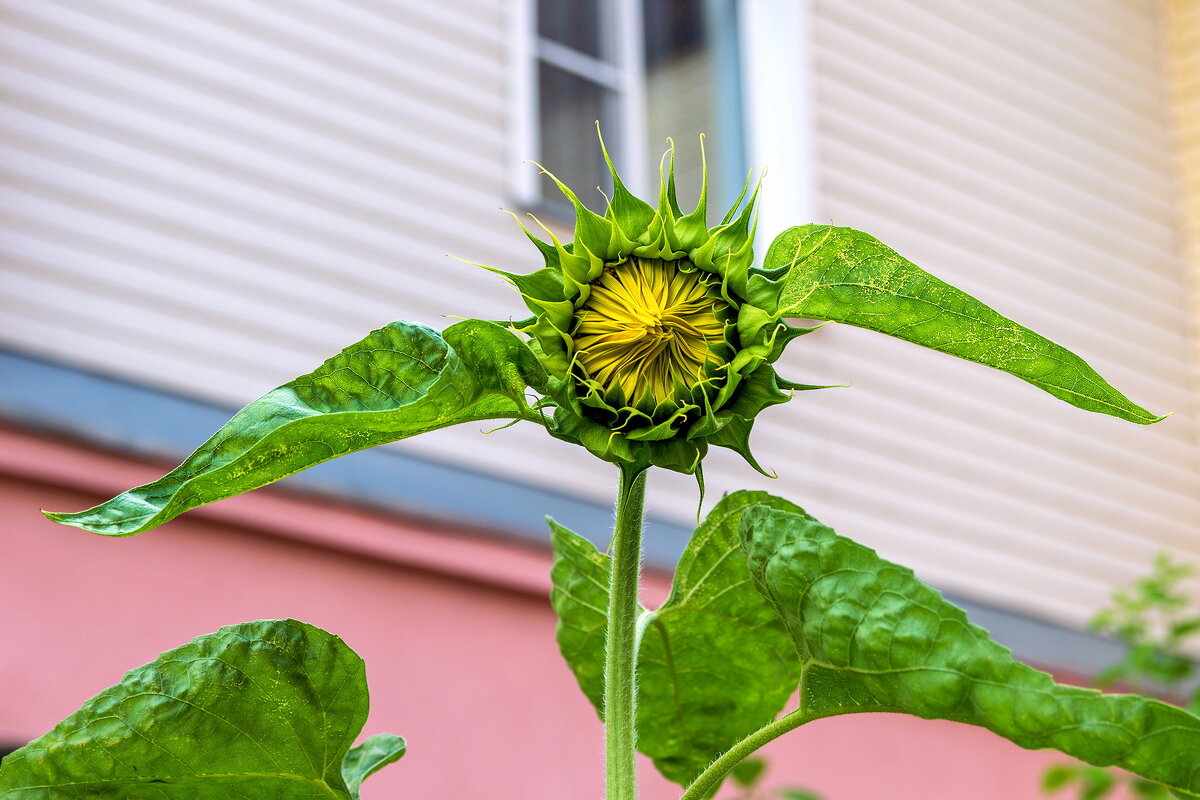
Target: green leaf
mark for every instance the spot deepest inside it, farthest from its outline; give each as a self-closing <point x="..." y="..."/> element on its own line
<point x="716" y="663"/>
<point x="1148" y="790"/>
<point x="871" y="637"/>
<point x="798" y="794"/>
<point x="265" y="709"/>
<point x="843" y="275"/>
<point x="400" y="381"/>
<point x="1057" y="776"/>
<point x="580" y="578"/>
<point x="714" y="632"/>
<point x="1097" y="783"/>
<point x="369" y="757"/>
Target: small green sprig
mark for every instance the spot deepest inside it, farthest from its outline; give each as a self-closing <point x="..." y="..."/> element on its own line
<point x="1154" y="619"/>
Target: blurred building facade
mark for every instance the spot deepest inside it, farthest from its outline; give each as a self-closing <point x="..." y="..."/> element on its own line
<point x="1183" y="26"/>
<point x="204" y="199"/>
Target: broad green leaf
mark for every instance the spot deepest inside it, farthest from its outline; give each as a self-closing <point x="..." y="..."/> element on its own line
<point x="265" y="709"/>
<point x="871" y="637"/>
<point x="843" y="275"/>
<point x="580" y="578"/>
<point x="400" y="381"/>
<point x="714" y="664"/>
<point x="369" y="757"/>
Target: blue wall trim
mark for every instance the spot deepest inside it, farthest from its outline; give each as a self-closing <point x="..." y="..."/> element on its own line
<point x="153" y="423"/>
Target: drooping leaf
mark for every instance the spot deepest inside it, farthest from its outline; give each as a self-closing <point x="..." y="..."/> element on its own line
<point x="402" y="380"/>
<point x="580" y="578"/>
<point x="843" y="275"/>
<point x="369" y="757"/>
<point x="714" y="663"/>
<point x="265" y="709"/>
<point x="871" y="637"/>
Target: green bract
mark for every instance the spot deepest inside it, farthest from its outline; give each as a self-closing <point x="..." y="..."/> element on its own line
<point x="688" y="362"/>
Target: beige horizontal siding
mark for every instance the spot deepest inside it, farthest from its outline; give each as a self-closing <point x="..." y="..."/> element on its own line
<point x="1020" y="150"/>
<point x="1183" y="24"/>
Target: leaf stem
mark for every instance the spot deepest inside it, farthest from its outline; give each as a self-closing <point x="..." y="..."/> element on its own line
<point x="620" y="679"/>
<point x="716" y="771"/>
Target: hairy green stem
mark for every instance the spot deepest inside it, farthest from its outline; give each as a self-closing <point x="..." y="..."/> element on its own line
<point x="620" y="678"/>
<point x="716" y="771"/>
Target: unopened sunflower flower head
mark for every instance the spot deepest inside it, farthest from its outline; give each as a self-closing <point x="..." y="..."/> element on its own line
<point x="645" y="323"/>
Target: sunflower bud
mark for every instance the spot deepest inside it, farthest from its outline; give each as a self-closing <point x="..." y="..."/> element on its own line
<point x="644" y="325"/>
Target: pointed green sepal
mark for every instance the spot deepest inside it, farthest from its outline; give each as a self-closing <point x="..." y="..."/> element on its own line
<point x="692" y="228"/>
<point x="630" y="214"/>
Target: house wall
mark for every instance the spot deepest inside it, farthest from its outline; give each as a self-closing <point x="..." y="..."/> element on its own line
<point x="456" y="631"/>
<point x="1183" y="42"/>
<point x="208" y="198"/>
<point x="212" y="197"/>
<point x="1023" y="151"/>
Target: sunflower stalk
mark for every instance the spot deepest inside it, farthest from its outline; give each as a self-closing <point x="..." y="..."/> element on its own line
<point x="620" y="666"/>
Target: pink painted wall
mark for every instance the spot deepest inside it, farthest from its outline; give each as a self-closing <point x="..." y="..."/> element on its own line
<point x="460" y="655"/>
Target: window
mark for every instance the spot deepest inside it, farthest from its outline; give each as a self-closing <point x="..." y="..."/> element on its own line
<point x="646" y="70"/>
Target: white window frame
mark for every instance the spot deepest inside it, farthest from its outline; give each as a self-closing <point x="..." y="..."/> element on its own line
<point x="777" y="98"/>
<point x="624" y="76"/>
<point x="776" y="84"/>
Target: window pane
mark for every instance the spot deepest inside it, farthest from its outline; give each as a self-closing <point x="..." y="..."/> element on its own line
<point x="574" y="23"/>
<point x="569" y="109"/>
<point x="687" y="95"/>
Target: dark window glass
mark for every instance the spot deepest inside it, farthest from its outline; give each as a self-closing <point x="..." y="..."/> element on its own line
<point x="692" y="89"/>
<point x="569" y="108"/>
<point x="574" y="23"/>
<point x="671" y="27"/>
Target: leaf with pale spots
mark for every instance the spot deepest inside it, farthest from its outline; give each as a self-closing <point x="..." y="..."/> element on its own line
<point x="402" y="380"/>
<point x="265" y="709"/>
<point x="843" y="275"/>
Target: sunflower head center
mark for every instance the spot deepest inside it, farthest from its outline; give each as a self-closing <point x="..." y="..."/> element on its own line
<point x="648" y="331"/>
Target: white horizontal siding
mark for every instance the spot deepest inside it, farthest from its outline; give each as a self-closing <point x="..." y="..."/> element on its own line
<point x="212" y="197"/>
<point x="1183" y="21"/>
<point x="1021" y="151"/>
